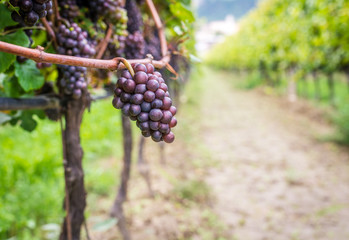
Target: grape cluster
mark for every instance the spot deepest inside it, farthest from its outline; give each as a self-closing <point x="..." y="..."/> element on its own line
<point x="145" y="99"/>
<point x="135" y="46"/>
<point x="135" y="21"/>
<point x="30" y="10"/>
<point x="73" y="41"/>
<point x="116" y="47"/>
<point x="68" y="9"/>
<point x="110" y="10"/>
<point x="153" y="45"/>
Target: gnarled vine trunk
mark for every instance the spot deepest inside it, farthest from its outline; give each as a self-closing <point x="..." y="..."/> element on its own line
<point x="75" y="199"/>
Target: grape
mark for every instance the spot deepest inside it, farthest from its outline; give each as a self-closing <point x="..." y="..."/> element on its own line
<point x="120" y="82"/>
<point x="30" y="11"/>
<point x="137" y="99"/>
<point x="146" y="107"/>
<point x="129" y="86"/>
<point x="135" y="110"/>
<point x="154" y="125"/>
<point x="126" y="109"/>
<point x="164" y="128"/>
<point x="141" y="99"/>
<point x="150" y="68"/>
<point x="160" y="94"/>
<point x="156" y="136"/>
<point x="167" y="116"/>
<point x="157" y="103"/>
<point x="169" y="138"/>
<point x="152" y="85"/>
<point x="167" y="103"/>
<point x="155" y="114"/>
<point x="149" y="96"/>
<point x="141" y="77"/>
<point x="173" y="110"/>
<point x="146" y="133"/>
<point x="144" y="126"/>
<point x="173" y="122"/>
<point x="163" y="86"/>
<point x="118" y="92"/>
<point x="141" y="88"/>
<point x="140" y="68"/>
<point x="143" y="117"/>
<point x="125" y="97"/>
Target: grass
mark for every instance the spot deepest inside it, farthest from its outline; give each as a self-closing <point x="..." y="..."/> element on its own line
<point x="31" y="174"/>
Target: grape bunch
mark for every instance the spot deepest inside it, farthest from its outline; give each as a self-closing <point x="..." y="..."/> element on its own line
<point x="110" y="10"/>
<point x="30" y="10"/>
<point x="68" y="9"/>
<point x="73" y="41"/>
<point x="145" y="99"/>
<point x="135" y="21"/>
<point x="135" y="46"/>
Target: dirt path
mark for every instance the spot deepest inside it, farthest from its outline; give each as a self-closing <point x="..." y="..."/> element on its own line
<point x="274" y="181"/>
<point x="268" y="176"/>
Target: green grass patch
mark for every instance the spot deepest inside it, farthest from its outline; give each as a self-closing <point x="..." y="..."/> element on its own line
<point x="31" y="173"/>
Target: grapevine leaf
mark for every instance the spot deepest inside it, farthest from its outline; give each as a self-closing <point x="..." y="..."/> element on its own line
<point x="28" y="123"/>
<point x="29" y="76"/>
<point x="182" y="12"/>
<point x="12" y="87"/>
<point x="18" y="38"/>
<point x="5" y="17"/>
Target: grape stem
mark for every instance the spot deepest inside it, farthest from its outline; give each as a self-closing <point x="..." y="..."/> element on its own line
<point x="159" y="26"/>
<point x="49" y="30"/>
<point x="39" y="55"/>
<point x="104" y="43"/>
<point x="128" y="66"/>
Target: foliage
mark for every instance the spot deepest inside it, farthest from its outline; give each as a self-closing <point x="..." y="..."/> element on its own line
<point x="31" y="184"/>
<point x="291" y="40"/>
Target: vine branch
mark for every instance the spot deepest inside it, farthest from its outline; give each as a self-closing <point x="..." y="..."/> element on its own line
<point x="49" y="30"/>
<point x="103" y="46"/>
<point x="39" y="55"/>
<point x="159" y="26"/>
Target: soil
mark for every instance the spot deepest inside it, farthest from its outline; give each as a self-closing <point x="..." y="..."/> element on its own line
<point x="270" y="177"/>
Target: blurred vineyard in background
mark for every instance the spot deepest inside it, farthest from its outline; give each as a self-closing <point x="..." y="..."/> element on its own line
<point x="300" y="47"/>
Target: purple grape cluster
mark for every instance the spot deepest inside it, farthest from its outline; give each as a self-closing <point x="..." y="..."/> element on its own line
<point x="30" y="10"/>
<point x="145" y="99"/>
<point x="110" y="10"/>
<point x="135" y="46"/>
<point x="68" y="9"/>
<point x="73" y="41"/>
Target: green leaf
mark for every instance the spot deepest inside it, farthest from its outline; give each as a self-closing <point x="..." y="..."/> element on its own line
<point x="28" y="123"/>
<point x="29" y="77"/>
<point x="5" y="17"/>
<point x="18" y="38"/>
<point x="12" y="87"/>
<point x="181" y="11"/>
